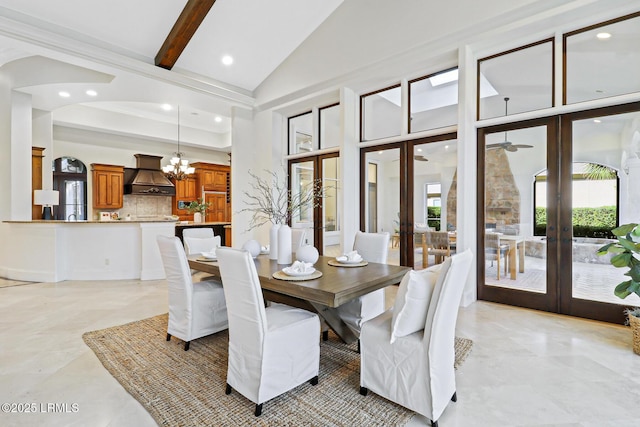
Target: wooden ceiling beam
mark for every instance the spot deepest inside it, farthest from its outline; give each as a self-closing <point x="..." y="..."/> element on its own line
<point x="185" y="27"/>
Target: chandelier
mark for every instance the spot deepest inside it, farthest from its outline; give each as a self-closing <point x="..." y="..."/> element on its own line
<point x="178" y="168"/>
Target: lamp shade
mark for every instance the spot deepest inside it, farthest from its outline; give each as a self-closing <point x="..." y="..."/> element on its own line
<point x="46" y="197"/>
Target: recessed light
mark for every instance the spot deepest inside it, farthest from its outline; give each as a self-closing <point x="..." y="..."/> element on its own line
<point x="419" y="150"/>
<point x="597" y="121"/>
<point x="379" y="152"/>
<point x="166" y="107"/>
<point x="603" y="36"/>
<point x="64" y="94"/>
<point x="218" y="119"/>
<point x="227" y="60"/>
<point x="91" y="92"/>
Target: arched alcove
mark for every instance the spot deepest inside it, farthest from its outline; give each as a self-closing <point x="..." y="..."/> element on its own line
<point x="70" y="179"/>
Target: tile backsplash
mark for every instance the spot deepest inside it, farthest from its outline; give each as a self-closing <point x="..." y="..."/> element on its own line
<point x="145" y="207"/>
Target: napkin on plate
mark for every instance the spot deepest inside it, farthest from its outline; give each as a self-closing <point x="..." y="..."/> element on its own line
<point x="301" y="267"/>
<point x="352" y="256"/>
<point x="210" y="255"/>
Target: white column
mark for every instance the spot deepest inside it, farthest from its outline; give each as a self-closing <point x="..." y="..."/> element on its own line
<point x="349" y="191"/>
<point x="247" y="149"/>
<point x="43" y="138"/>
<point x="467" y="168"/>
<point x="15" y="202"/>
<point x="631" y="211"/>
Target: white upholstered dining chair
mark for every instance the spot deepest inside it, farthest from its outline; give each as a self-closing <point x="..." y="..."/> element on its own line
<point x="272" y="349"/>
<point x="195" y="310"/>
<point x="200" y="239"/>
<point x="407" y="354"/>
<point x="373" y="247"/>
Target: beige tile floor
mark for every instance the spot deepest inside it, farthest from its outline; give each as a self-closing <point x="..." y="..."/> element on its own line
<point x="526" y="368"/>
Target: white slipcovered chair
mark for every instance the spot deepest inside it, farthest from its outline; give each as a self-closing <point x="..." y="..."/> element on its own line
<point x="196" y="245"/>
<point x="272" y="349"/>
<point x="415" y="368"/>
<point x="199" y="239"/>
<point x="195" y="310"/>
<point x="373" y="247"/>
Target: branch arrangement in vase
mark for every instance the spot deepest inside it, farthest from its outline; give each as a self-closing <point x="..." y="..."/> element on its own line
<point x="272" y="201"/>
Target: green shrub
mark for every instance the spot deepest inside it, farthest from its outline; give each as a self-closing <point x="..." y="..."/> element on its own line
<point x="587" y="222"/>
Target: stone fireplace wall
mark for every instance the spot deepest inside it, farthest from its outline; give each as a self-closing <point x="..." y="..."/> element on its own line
<point x="502" y="197"/>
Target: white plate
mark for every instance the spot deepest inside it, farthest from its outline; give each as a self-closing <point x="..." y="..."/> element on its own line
<point x="345" y="260"/>
<point x="289" y="272"/>
<point x="208" y="255"/>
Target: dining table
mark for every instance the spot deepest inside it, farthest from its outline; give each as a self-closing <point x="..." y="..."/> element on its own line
<point x="338" y="284"/>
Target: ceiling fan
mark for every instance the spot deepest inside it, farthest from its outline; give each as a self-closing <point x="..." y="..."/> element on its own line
<point x="507" y="145"/>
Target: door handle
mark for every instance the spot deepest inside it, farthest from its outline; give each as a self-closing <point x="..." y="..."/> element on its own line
<point x="551" y="239"/>
<point x="565" y="229"/>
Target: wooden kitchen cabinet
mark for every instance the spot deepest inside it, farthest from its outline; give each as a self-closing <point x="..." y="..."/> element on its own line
<point x="108" y="186"/>
<point x="212" y="177"/>
<point x="186" y="192"/>
<point x="36" y="179"/>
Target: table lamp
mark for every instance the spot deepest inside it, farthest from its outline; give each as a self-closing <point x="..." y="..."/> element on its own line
<point x="46" y="198"/>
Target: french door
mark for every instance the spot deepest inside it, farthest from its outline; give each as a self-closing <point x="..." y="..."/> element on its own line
<point x="549" y="192"/>
<point x="321" y="219"/>
<point x="406" y="187"/>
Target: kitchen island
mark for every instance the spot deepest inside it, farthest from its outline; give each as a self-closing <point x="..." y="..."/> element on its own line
<point x="219" y="229"/>
<point x="53" y="251"/>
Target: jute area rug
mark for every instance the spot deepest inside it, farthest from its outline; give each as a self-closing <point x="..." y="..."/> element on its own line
<point x="186" y="388"/>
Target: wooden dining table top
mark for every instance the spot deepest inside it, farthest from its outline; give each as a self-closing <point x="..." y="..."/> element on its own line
<point x="336" y="286"/>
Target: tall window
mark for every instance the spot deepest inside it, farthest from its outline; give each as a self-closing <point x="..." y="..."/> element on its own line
<point x="433" y="101"/>
<point x="381" y="114"/>
<point x="524" y="75"/>
<point x="603" y="60"/>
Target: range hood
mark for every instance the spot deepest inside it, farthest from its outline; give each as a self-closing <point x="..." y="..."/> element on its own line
<point x="148" y="179"/>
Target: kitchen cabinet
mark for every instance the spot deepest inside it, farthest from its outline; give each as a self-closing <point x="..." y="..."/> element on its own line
<point x="108" y="186"/>
<point x="186" y="192"/>
<point x="212" y="177"/>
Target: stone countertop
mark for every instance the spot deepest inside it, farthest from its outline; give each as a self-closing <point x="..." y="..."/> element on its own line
<point x="122" y="221"/>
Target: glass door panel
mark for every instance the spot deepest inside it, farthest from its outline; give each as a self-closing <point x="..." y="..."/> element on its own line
<point x="434" y="201"/>
<point x="330" y="206"/>
<point x="302" y="177"/>
<point x="605" y="171"/>
<point x="517" y="228"/>
<point x="382" y="197"/>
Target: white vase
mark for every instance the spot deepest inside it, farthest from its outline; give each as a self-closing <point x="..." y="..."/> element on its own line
<point x="273" y="241"/>
<point x="197" y="217"/>
<point x="284" y="244"/>
<point x="307" y="253"/>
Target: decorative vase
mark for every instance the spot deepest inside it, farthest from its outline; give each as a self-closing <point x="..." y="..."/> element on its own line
<point x="253" y="247"/>
<point x="307" y="253"/>
<point x="273" y="241"/>
<point x="284" y="244"/>
<point x="197" y="217"/>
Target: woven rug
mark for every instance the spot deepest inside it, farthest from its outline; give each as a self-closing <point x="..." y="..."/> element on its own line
<point x="186" y="388"/>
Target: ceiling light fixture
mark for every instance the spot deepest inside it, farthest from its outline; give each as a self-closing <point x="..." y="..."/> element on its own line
<point x="603" y="36"/>
<point x="91" y="92"/>
<point x="218" y="119"/>
<point x="64" y="94"/>
<point x="166" y="107"/>
<point x="227" y="60"/>
<point x="178" y="168"/>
